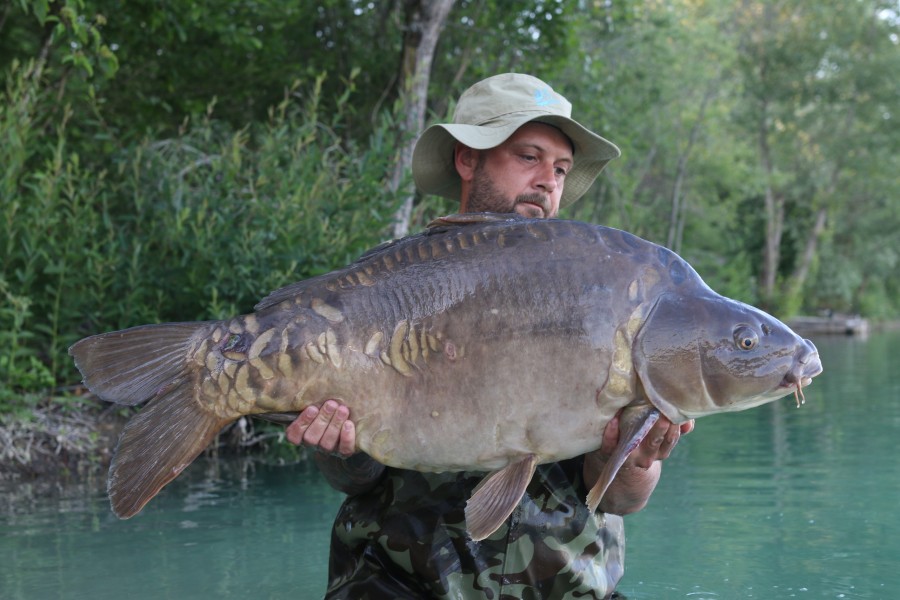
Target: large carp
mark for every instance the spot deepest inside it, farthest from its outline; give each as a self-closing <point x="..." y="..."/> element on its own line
<point x="487" y="342"/>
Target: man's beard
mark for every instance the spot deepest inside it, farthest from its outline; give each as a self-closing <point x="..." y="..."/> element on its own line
<point x="485" y="197"/>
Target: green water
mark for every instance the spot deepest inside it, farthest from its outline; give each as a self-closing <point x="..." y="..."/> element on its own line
<point x="772" y="503"/>
<point x="225" y="529"/>
<point x="780" y="502"/>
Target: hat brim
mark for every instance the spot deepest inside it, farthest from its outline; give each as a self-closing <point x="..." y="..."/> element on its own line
<point x="434" y="170"/>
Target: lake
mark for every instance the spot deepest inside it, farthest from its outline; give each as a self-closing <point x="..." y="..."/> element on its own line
<point x="772" y="503"/>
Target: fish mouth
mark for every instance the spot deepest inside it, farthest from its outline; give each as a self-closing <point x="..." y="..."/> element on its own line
<point x="798" y="382"/>
<point x="807" y="366"/>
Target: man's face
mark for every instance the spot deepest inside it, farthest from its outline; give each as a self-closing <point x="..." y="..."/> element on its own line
<point x="525" y="174"/>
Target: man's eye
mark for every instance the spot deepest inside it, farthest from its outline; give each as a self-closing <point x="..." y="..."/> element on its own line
<point x="561" y="172"/>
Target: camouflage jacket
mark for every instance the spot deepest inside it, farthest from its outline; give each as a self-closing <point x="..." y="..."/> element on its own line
<point x="406" y="538"/>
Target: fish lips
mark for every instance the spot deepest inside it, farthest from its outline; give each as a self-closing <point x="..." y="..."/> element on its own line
<point x="807" y="365"/>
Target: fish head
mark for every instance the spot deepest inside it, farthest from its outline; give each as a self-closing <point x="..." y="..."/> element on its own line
<point x="702" y="354"/>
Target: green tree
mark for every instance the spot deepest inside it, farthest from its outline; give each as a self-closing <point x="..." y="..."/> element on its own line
<point x="746" y="131"/>
<point x="177" y="160"/>
<point x="816" y="98"/>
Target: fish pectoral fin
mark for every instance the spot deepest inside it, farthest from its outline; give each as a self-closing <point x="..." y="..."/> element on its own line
<point x="634" y="424"/>
<point x="494" y="499"/>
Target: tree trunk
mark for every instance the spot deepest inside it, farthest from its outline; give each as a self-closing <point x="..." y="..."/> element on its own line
<point x="676" y="219"/>
<point x="425" y="20"/>
<point x="774" y="201"/>
<point x="774" y="216"/>
<point x="809" y="252"/>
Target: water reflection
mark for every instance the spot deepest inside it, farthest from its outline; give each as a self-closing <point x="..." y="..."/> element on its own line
<point x="772" y="503"/>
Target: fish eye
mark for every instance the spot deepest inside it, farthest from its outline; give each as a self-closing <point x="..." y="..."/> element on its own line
<point x="745" y="338"/>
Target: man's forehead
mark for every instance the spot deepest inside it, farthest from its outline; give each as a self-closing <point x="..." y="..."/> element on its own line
<point x="543" y="136"/>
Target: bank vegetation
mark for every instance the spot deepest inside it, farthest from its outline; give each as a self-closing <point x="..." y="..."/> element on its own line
<point x="177" y="161"/>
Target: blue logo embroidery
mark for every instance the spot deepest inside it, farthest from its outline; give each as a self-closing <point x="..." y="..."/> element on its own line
<point x="545" y="97"/>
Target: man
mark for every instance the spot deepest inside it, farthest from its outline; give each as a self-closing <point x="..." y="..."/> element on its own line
<point x="401" y="534"/>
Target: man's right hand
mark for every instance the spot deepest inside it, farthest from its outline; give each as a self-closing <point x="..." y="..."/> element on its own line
<point x="328" y="429"/>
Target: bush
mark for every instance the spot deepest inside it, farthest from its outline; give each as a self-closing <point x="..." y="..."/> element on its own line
<point x="195" y="227"/>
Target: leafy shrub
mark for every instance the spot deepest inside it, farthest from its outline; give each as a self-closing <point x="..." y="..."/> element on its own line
<point x="199" y="226"/>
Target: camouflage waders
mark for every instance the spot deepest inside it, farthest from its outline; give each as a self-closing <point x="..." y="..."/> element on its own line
<point x="406" y="538"/>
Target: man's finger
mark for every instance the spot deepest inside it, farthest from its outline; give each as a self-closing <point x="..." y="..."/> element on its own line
<point x="610" y="436"/>
<point x="313" y="434"/>
<point x="296" y="430"/>
<point x="670" y="439"/>
<point x="347" y="444"/>
<point x="652" y="445"/>
<point x="333" y="418"/>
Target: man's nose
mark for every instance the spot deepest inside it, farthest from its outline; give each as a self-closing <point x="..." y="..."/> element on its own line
<point x="546" y="178"/>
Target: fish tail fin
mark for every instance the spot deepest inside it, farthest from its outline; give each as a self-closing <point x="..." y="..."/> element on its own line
<point x="156" y="446"/>
<point x="133" y="365"/>
<point x="156" y="363"/>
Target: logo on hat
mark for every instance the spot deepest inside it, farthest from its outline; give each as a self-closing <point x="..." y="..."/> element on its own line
<point x="545" y="97"/>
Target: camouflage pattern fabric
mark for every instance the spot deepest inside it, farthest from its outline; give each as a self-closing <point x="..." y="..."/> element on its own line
<point x="406" y="538"/>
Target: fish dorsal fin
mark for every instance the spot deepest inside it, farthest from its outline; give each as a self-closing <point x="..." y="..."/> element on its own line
<point x="634" y="424"/>
<point x="470" y="218"/>
<point x="436" y="227"/>
<point x="494" y="499"/>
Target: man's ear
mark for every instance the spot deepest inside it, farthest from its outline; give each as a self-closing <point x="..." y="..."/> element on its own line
<point x="466" y="160"/>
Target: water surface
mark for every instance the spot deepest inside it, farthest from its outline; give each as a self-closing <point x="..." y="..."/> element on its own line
<point x="779" y="502"/>
<point x="772" y="503"/>
<point x="224" y="529"/>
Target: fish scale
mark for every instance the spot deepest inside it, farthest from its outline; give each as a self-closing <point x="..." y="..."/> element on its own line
<point x="487" y="342"/>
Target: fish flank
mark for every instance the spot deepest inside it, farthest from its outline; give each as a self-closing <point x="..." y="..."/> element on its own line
<point x="285" y="365"/>
<point x="250" y="324"/>
<point x="333" y="351"/>
<point x="373" y="346"/>
<point x="316" y="355"/>
<point x="259" y="344"/>
<point x="364" y="279"/>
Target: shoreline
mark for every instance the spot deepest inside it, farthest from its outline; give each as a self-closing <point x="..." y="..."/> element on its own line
<point x="58" y="439"/>
<point x="66" y="440"/>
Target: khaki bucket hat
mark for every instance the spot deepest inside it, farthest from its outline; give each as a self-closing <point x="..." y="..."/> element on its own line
<point x="487" y="114"/>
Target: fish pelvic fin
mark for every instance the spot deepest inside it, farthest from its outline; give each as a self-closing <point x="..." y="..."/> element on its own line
<point x="133" y="365"/>
<point x="634" y="425"/>
<point x="156" y="445"/>
<point x="494" y="499"/>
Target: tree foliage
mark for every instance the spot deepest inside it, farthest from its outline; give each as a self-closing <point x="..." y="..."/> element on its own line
<point x="178" y="160"/>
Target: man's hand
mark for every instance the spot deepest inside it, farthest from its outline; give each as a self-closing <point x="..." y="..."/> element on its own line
<point x="656" y="445"/>
<point x="328" y="429"/>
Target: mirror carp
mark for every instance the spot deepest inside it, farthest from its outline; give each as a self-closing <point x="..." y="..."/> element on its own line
<point x="485" y="343"/>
